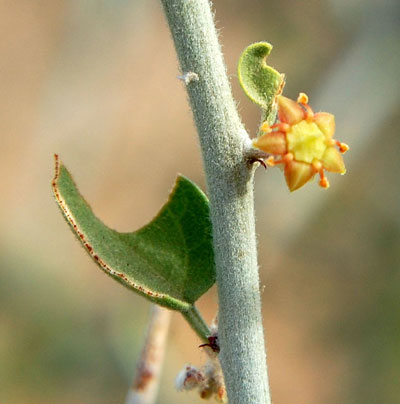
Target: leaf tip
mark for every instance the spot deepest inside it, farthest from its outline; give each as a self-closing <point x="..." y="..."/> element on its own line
<point x="56" y="172"/>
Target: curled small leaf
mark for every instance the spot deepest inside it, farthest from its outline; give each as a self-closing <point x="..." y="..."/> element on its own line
<point x="260" y="82"/>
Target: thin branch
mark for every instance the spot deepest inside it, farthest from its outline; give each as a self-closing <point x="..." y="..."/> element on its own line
<point x="230" y="188"/>
<point x="145" y="384"/>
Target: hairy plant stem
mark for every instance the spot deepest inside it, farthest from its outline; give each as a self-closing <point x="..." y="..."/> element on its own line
<point x="229" y="176"/>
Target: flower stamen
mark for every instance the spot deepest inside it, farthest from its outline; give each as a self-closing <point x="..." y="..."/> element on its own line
<point x="265" y="127"/>
<point x="302" y="98"/>
<point x="323" y="182"/>
<point x="270" y="161"/>
<point x="281" y="126"/>
<point x="287" y="158"/>
<point x="343" y="147"/>
<point x="309" y="113"/>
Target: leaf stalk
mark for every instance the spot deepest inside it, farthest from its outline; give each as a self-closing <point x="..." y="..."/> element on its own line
<point x="194" y="318"/>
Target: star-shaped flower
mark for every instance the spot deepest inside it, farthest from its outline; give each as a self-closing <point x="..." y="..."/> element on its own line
<point x="303" y="142"/>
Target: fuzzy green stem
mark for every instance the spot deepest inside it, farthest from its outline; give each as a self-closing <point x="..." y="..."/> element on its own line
<point x="229" y="176"/>
<point x="193" y="317"/>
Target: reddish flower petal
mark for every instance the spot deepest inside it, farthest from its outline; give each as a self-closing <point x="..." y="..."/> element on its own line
<point x="332" y="161"/>
<point x="289" y="111"/>
<point x="297" y="174"/>
<point x="326" y="123"/>
<point x="272" y="142"/>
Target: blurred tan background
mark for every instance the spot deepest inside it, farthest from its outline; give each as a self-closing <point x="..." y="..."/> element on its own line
<point x="95" y="81"/>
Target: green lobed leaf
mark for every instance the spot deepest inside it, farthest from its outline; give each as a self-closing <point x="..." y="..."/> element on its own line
<point x="260" y="82"/>
<point x="170" y="260"/>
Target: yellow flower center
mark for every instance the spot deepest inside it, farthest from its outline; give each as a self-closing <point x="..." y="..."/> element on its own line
<point x="306" y="142"/>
